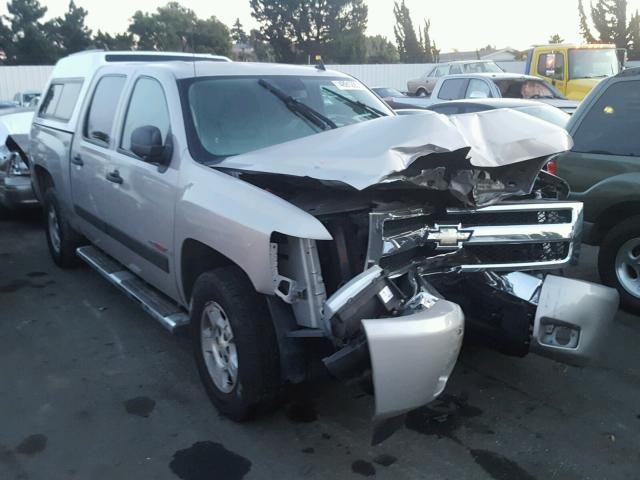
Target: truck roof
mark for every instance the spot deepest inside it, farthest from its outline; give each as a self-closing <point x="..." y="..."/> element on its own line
<point x="187" y="69"/>
<point x="83" y="64"/>
<point x="576" y="45"/>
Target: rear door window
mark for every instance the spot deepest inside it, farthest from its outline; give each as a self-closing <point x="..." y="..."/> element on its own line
<point x="453" y="89"/>
<point x="60" y="100"/>
<point x="611" y="126"/>
<point x="99" y="121"/>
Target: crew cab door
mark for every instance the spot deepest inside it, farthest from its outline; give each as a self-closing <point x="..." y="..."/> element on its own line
<point x="552" y="67"/>
<point x="91" y="157"/>
<point x="144" y="200"/>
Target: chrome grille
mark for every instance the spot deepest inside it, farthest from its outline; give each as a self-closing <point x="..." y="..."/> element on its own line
<point x="509" y="236"/>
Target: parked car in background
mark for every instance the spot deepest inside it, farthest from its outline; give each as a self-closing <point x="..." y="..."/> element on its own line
<point x="499" y="85"/>
<point x="28" y="98"/>
<point x="16" y="191"/>
<point x="574" y="69"/>
<point x="6" y="105"/>
<point x="603" y="170"/>
<point x="423" y="86"/>
<point x="530" y="107"/>
<point x="398" y="100"/>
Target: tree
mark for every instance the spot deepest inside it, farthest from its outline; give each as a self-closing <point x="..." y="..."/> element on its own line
<point x="261" y="49"/>
<point x="25" y="40"/>
<point x="555" y="39"/>
<point x="609" y="18"/>
<point x="425" y="41"/>
<point x="585" y="31"/>
<point x="297" y="29"/>
<point x="634" y="37"/>
<point x="119" y="41"/>
<point x="380" y="50"/>
<point x="69" y="33"/>
<point x="238" y="34"/>
<point x="410" y="48"/>
<point x="177" y="28"/>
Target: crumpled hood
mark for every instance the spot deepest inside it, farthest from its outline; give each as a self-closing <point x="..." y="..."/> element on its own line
<point x="17" y="126"/>
<point x="369" y="153"/>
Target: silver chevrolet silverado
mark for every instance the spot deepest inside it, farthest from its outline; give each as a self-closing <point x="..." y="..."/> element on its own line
<point x="292" y="220"/>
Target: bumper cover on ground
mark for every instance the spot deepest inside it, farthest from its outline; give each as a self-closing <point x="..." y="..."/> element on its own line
<point x="412" y="356"/>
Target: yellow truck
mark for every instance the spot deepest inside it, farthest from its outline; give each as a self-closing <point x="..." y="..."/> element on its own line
<point x="574" y="69"/>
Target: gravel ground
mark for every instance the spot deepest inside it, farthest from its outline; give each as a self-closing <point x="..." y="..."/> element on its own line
<point x="92" y="388"/>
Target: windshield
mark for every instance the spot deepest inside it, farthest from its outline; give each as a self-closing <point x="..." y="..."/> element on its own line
<point x="527" y="88"/>
<point x="593" y="63"/>
<point x="548" y="113"/>
<point x="233" y="115"/>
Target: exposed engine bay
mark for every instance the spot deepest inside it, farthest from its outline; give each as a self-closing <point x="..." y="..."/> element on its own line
<point x="429" y="239"/>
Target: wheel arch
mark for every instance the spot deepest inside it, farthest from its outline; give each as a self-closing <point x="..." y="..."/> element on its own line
<point x="610" y="217"/>
<point x="197" y="258"/>
<point x="41" y="180"/>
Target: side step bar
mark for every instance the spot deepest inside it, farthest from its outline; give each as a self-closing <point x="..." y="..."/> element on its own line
<point x="156" y="304"/>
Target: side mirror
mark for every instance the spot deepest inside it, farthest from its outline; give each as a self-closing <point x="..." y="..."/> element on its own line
<point x="477" y="94"/>
<point x="146" y="142"/>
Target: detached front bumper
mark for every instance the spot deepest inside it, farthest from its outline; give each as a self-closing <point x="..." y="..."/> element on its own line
<point x="412" y="356"/>
<point x="572" y="319"/>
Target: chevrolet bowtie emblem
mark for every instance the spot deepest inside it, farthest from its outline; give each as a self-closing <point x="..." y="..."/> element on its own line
<point x="448" y="236"/>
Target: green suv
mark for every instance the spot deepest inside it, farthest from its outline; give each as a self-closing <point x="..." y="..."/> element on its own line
<point x="603" y="170"/>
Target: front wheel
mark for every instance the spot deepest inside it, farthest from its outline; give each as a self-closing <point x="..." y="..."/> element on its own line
<point x="421" y="93"/>
<point x="62" y="239"/>
<point x="234" y="342"/>
<point x="619" y="262"/>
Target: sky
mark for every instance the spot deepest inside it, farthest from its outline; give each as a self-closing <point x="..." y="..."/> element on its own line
<point x="455" y="24"/>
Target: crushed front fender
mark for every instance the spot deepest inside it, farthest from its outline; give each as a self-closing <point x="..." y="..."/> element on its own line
<point x="413" y="355"/>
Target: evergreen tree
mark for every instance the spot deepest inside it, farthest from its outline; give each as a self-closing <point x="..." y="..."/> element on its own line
<point x="380" y="50"/>
<point x="69" y="32"/>
<point x="555" y="39"/>
<point x="119" y="41"/>
<point x="25" y="39"/>
<point x="238" y="34"/>
<point x="409" y="47"/>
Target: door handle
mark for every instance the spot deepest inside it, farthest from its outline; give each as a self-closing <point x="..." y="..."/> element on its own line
<point x="77" y="160"/>
<point x="114" y="177"/>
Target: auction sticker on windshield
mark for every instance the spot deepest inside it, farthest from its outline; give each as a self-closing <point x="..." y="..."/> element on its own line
<point x="348" y="85"/>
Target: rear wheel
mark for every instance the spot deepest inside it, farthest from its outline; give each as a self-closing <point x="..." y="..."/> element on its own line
<point x="62" y="239"/>
<point x="421" y="92"/>
<point x="619" y="262"/>
<point x="234" y="342"/>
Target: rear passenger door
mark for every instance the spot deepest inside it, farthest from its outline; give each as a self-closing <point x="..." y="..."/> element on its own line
<point x="144" y="201"/>
<point x="91" y="158"/>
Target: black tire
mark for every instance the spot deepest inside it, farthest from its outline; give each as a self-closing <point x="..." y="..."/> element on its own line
<point x="609" y="247"/>
<point x="63" y="251"/>
<point x="257" y="386"/>
<point x="421" y="92"/>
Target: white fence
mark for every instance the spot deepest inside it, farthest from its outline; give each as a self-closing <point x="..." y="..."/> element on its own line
<point x="395" y="75"/>
<point x="19" y="79"/>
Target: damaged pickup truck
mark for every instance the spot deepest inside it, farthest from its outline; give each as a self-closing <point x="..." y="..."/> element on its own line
<point x="291" y="218"/>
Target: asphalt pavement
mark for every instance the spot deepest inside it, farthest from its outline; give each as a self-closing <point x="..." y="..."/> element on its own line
<point x="92" y="388"/>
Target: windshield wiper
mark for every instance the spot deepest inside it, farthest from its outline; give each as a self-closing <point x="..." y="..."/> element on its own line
<point x="299" y="108"/>
<point x="355" y="103"/>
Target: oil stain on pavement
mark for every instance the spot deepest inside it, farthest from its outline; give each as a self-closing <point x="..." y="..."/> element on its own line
<point x="499" y="467"/>
<point x="208" y="461"/>
<point x="363" y="468"/>
<point x="442" y="417"/>
<point x="32" y="444"/>
<point x="140" y="406"/>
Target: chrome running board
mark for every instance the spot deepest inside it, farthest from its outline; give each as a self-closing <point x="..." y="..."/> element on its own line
<point x="159" y="306"/>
